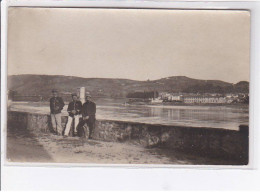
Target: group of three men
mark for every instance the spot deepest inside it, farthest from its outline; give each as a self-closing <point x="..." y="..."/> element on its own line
<point x="75" y="110"/>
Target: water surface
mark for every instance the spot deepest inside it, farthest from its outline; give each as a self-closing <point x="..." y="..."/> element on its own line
<point x="227" y="117"/>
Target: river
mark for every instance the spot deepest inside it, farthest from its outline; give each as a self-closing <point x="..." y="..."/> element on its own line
<point x="227" y="117"/>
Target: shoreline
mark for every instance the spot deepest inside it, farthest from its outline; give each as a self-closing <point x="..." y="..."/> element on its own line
<point x="37" y="147"/>
<point x="206" y="142"/>
<point x="156" y="104"/>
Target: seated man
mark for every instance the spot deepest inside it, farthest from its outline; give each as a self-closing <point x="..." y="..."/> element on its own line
<point x="74" y="110"/>
<point x="88" y="115"/>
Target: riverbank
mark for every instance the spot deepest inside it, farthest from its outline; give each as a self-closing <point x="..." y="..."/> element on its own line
<point x="240" y="105"/>
<point x="34" y="146"/>
<point x="202" y="142"/>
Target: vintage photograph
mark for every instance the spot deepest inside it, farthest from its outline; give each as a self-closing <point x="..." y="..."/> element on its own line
<point x="128" y="86"/>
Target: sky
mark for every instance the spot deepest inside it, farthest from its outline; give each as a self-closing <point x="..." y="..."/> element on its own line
<point x="137" y="44"/>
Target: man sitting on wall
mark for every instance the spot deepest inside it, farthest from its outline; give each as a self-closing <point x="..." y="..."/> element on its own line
<point x="74" y="110"/>
<point x="88" y="115"/>
<point x="56" y="105"/>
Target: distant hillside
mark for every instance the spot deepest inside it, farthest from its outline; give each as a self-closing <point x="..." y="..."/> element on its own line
<point x="43" y="84"/>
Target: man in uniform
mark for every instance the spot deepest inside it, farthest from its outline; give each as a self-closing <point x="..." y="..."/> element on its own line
<point x="56" y="105"/>
<point x="74" y="110"/>
<point x="88" y="115"/>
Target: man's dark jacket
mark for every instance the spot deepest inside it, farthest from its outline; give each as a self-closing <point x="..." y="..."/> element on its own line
<point x="56" y="105"/>
<point x="77" y="106"/>
<point x="89" y="109"/>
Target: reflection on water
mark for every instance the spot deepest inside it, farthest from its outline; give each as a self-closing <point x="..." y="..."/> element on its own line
<point x="228" y="117"/>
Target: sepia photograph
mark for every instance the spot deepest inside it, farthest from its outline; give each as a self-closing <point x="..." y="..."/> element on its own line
<point x="128" y="86"/>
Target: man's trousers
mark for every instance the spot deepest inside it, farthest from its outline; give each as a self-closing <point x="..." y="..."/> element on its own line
<point x="68" y="126"/>
<point x="56" y="123"/>
<point x="91" y="125"/>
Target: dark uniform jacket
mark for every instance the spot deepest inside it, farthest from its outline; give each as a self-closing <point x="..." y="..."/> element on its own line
<point x="77" y="106"/>
<point x="89" y="109"/>
<point x="56" y="105"/>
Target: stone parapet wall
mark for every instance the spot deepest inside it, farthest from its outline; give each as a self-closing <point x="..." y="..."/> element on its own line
<point x="201" y="141"/>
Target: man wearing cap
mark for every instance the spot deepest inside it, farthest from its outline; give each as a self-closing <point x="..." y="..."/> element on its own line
<point x="74" y="110"/>
<point x="56" y="105"/>
<point x="88" y="114"/>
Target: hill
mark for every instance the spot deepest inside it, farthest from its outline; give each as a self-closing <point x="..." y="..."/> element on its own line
<point x="43" y="84"/>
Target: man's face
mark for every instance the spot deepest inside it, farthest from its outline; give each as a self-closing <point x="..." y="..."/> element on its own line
<point x="88" y="98"/>
<point x="55" y="94"/>
<point x="74" y="98"/>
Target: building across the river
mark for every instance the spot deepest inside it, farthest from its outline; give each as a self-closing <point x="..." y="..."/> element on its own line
<point x="193" y="98"/>
<point x="204" y="99"/>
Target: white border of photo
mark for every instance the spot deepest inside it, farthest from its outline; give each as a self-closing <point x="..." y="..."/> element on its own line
<point x="128" y="177"/>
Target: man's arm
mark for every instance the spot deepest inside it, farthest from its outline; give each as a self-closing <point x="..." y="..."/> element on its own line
<point x="84" y="111"/>
<point x="94" y="108"/>
<point x="69" y="108"/>
<point x="51" y="108"/>
<point x="62" y="103"/>
<point x="79" y="107"/>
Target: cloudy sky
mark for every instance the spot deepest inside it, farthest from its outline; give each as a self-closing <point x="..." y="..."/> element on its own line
<point x="129" y="43"/>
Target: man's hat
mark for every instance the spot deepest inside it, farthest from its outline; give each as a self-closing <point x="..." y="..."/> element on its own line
<point x="88" y="94"/>
<point x="54" y="90"/>
<point x="74" y="94"/>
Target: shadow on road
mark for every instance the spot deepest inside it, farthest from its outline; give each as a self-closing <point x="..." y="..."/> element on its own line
<point x="23" y="146"/>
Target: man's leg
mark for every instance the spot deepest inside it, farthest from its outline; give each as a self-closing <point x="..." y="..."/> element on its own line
<point x="91" y="125"/>
<point x="53" y="123"/>
<point x="80" y="128"/>
<point x="76" y="122"/>
<point x="68" y="126"/>
<point x="58" y="121"/>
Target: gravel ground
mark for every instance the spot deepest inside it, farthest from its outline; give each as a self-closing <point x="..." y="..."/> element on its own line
<point x="32" y="146"/>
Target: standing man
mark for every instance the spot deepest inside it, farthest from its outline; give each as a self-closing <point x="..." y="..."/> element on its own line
<point x="74" y="110"/>
<point x="56" y="105"/>
<point x="88" y="114"/>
